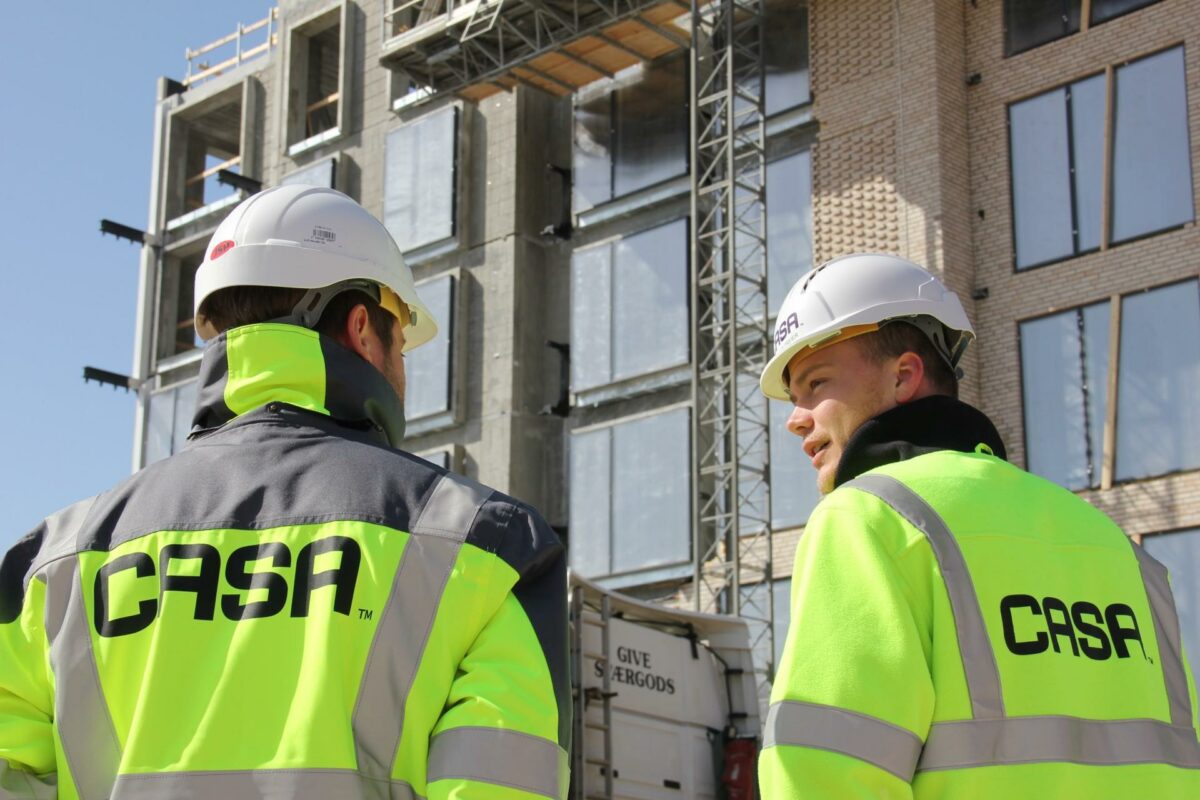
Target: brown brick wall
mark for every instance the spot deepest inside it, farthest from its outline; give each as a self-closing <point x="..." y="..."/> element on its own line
<point x="912" y="160"/>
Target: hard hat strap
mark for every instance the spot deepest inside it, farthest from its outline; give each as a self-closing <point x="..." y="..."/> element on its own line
<point x="307" y="312"/>
<point x="936" y="332"/>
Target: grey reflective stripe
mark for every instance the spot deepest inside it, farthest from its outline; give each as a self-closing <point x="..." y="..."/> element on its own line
<point x="876" y="741"/>
<point x="505" y="758"/>
<point x="453" y="504"/>
<point x="89" y="739"/>
<point x="17" y="784"/>
<point x="1166" y="633"/>
<point x="979" y="661"/>
<point x="1025" y="740"/>
<point x="407" y="619"/>
<point x="300" y="784"/>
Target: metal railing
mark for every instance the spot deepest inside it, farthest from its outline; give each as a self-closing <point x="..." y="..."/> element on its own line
<point x="198" y="72"/>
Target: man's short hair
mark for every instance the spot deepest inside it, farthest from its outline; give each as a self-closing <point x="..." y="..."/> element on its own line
<point x="896" y="338"/>
<point x="236" y="306"/>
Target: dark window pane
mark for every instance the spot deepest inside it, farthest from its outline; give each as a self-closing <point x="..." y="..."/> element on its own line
<point x="1158" y="429"/>
<point x="420" y="160"/>
<point x="794" y="491"/>
<point x="1180" y="554"/>
<point x="1152" y="169"/>
<point x="1041" y="177"/>
<point x="1029" y="23"/>
<point x="592" y="152"/>
<point x="785" y="53"/>
<point x="427" y="368"/>
<point x="651" y="497"/>
<point x="1087" y="144"/>
<point x="649" y="290"/>
<point x="652" y="127"/>
<point x="789" y="225"/>
<point x="591" y="317"/>
<point x="1104" y="10"/>
<point x="590" y="498"/>
<point x="1063" y="371"/>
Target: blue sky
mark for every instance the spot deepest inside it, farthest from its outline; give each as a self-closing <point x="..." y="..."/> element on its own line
<point x="75" y="146"/>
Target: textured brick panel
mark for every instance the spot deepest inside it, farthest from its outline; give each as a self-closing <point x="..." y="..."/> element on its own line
<point x="855" y="204"/>
<point x="850" y="40"/>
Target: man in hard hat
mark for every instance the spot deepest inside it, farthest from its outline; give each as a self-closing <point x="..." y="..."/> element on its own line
<point x="290" y="606"/>
<point x="960" y="627"/>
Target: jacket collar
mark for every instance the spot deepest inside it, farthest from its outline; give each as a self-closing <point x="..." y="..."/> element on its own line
<point x="246" y="368"/>
<point x="914" y="429"/>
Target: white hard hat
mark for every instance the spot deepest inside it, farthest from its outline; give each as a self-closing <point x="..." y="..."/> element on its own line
<point x="307" y="237"/>
<point x="857" y="294"/>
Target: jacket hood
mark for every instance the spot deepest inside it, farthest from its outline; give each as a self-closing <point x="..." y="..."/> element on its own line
<point x="914" y="429"/>
<point x="248" y="367"/>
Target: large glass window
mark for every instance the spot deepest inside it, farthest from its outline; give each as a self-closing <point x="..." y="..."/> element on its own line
<point x="1179" y="552"/>
<point x="794" y="491"/>
<point x="429" y="374"/>
<point x="1152" y="176"/>
<point x="420" y="160"/>
<point x="1029" y="23"/>
<point x="630" y="495"/>
<point x="785" y="55"/>
<point x="1057" y="168"/>
<point x="629" y="310"/>
<point x="631" y="132"/>
<point x="1064" y="369"/>
<point x="1057" y="160"/>
<point x="169" y="420"/>
<point x="1158" y="428"/>
<point x="789" y="224"/>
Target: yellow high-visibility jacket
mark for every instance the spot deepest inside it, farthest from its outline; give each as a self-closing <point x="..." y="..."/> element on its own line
<point x="963" y="629"/>
<point x="289" y="607"/>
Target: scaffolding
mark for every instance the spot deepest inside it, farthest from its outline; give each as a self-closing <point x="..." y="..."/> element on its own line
<point x="731" y="446"/>
<point x="482" y="47"/>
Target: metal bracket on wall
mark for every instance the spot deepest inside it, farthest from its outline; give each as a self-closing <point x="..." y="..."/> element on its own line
<point x="562" y="407"/>
<point x="113" y="379"/>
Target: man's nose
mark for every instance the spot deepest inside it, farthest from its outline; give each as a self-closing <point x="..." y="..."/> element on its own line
<point x="800" y="421"/>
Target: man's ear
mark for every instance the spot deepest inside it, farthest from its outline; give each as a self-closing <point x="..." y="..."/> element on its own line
<point x="355" y="332"/>
<point x="910" y="378"/>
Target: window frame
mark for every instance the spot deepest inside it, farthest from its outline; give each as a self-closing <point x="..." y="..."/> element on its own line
<point x="456" y="369"/>
<point x="645" y="576"/>
<point x="1109" y="436"/>
<point x="1086" y="23"/>
<point x="307" y="27"/>
<point x="1107" y="242"/>
<point x="334" y="172"/>
<point x="433" y="248"/>
<point x="180" y="121"/>
<point x="653" y="380"/>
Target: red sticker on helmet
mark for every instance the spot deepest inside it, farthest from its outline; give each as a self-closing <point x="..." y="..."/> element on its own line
<point x="221" y="249"/>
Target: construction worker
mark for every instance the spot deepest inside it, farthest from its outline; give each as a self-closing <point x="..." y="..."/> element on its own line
<point x="290" y="606"/>
<point x="959" y="627"/>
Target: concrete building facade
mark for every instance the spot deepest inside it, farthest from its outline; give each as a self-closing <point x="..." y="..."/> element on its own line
<point x="1043" y="164"/>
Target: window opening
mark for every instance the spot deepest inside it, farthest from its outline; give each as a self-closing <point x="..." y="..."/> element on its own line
<point x="315" y="77"/>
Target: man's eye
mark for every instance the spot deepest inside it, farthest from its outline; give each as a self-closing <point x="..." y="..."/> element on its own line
<point x="813" y="384"/>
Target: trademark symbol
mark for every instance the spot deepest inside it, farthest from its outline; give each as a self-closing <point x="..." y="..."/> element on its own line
<point x="366" y="613"/>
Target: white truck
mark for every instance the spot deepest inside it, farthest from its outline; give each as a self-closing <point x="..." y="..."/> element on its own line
<point x="665" y="701"/>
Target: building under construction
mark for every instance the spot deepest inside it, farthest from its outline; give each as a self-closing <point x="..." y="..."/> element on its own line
<point x="605" y="201"/>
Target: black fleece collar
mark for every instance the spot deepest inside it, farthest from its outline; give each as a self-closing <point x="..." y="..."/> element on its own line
<point x="914" y="429"/>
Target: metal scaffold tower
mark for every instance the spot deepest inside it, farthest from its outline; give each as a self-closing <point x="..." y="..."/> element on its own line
<point x="731" y="492"/>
